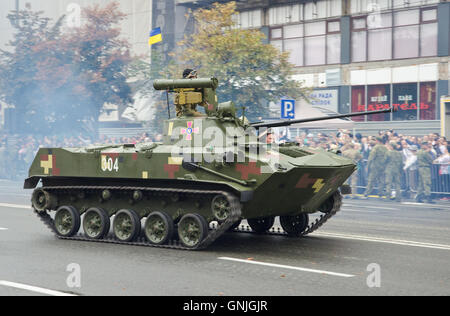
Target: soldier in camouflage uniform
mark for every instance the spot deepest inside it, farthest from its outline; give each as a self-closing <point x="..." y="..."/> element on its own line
<point x="424" y="162"/>
<point x="377" y="165"/>
<point x="352" y="153"/>
<point x="189" y="110"/>
<point x="394" y="169"/>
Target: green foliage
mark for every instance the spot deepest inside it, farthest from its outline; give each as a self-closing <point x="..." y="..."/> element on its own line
<point x="58" y="82"/>
<point x="251" y="73"/>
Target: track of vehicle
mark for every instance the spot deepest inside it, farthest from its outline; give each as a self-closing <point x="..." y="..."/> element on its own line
<point x="216" y="229"/>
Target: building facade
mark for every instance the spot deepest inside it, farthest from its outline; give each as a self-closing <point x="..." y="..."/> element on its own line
<point x="357" y="55"/>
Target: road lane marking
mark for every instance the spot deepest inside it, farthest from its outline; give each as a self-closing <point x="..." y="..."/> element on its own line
<point x="34" y="289"/>
<point x="15" y="206"/>
<point x="1" y="228"/>
<point x="287" y="267"/>
<point x="426" y="205"/>
<point x="369" y="206"/>
<point x="352" y="210"/>
<point x="386" y="241"/>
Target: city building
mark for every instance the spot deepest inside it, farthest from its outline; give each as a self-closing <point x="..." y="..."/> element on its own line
<point x="357" y="55"/>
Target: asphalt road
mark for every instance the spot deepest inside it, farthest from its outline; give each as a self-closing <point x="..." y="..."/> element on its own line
<point x="370" y="248"/>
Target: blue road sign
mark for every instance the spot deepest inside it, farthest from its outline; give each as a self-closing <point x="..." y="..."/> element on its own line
<point x="287" y="109"/>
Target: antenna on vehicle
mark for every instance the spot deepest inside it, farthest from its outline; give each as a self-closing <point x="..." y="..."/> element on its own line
<point x="168" y="105"/>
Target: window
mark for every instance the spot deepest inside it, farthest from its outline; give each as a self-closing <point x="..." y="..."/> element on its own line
<point x="295" y="48"/>
<point x="406" y="34"/>
<point x="403" y="34"/>
<point x="276" y="33"/>
<point x="359" y="44"/>
<point x="428" y="32"/>
<point x="379" y="44"/>
<point x="379" y="98"/>
<point x="413" y="101"/>
<point x="315" y="50"/>
<point x="309" y="44"/>
<point x="358" y="102"/>
<point x="286" y="14"/>
<point x="405" y="102"/>
<point x="250" y="19"/>
<point x="428" y="101"/>
<point x="333" y="49"/>
<point x="406" y="41"/>
<point x="293" y="43"/>
<point x="364" y="6"/>
<point x="428" y="40"/>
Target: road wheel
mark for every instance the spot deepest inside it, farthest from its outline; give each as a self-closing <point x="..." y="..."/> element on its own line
<point x="294" y="226"/>
<point x="67" y="221"/>
<point x="261" y="225"/>
<point x="126" y="225"/>
<point x="192" y="229"/>
<point x="159" y="228"/>
<point x="43" y="200"/>
<point x="221" y="208"/>
<point x="96" y="223"/>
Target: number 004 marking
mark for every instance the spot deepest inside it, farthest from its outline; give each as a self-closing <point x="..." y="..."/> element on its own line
<point x="110" y="164"/>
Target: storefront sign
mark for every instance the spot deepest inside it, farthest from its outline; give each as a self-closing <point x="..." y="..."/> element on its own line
<point x="405" y="100"/>
<point x="325" y="99"/>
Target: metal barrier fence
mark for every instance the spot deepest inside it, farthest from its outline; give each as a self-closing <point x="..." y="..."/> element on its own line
<point x="440" y="179"/>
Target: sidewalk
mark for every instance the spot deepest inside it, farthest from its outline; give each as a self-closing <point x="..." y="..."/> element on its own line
<point x="444" y="203"/>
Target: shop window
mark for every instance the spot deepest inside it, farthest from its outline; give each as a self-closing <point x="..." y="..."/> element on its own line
<point x="379" y="98"/>
<point x="405" y="102"/>
<point x="428" y="101"/>
<point x="359" y="102"/>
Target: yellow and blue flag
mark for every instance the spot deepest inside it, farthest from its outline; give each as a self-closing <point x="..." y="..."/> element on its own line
<point x="155" y="36"/>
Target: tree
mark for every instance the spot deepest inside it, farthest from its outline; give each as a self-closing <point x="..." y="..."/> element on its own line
<point x="59" y="82"/>
<point x="251" y="73"/>
<point x="146" y="73"/>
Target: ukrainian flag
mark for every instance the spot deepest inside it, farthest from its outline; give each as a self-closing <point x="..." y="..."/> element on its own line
<point x="155" y="36"/>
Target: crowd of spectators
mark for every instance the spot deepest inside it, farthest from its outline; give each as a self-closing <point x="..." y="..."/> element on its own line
<point x="18" y="152"/>
<point x="409" y="146"/>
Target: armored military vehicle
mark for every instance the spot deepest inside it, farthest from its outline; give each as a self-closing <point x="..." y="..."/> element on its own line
<point x="211" y="171"/>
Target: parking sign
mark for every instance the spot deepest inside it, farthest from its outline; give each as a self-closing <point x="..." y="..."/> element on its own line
<point x="287" y="109"/>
